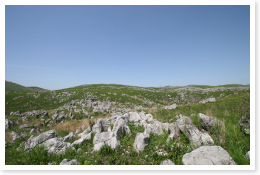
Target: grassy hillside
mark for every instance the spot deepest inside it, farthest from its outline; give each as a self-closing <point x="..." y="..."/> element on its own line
<point x="11" y="87"/>
<point x="231" y="103"/>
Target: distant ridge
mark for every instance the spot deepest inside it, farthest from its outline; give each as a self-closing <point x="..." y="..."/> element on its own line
<point x="11" y="87"/>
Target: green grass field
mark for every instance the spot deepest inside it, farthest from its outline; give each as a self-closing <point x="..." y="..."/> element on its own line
<point x="230" y="106"/>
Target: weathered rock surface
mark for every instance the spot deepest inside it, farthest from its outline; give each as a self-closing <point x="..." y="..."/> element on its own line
<point x="208" y="122"/>
<point x="83" y="137"/>
<point x="99" y="126"/>
<point x="56" y="145"/>
<point x="70" y="162"/>
<point x="154" y="128"/>
<point x="9" y="123"/>
<point x="68" y="137"/>
<point x="141" y="141"/>
<point x="34" y="141"/>
<point x="196" y="137"/>
<point x="244" y="124"/>
<point x="167" y="162"/>
<point x="134" y="117"/>
<point x="208" y="155"/>
<point x="107" y="138"/>
<point x="120" y="126"/>
<point x="171" y="107"/>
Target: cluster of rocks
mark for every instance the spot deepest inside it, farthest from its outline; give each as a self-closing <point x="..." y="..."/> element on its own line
<point x="37" y="113"/>
<point x="107" y="132"/>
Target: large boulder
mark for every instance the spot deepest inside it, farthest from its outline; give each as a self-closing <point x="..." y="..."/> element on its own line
<point x="167" y="162"/>
<point x="56" y="145"/>
<point x="134" y="117"/>
<point x="99" y="126"/>
<point x="34" y="141"/>
<point x="141" y="141"/>
<point x="174" y="132"/>
<point x="70" y="162"/>
<point x="196" y="137"/>
<point x="208" y="155"/>
<point x="108" y="138"/>
<point x="208" y="122"/>
<point x="154" y="128"/>
<point x="120" y="126"/>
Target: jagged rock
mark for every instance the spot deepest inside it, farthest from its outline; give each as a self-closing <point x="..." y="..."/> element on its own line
<point x="24" y="126"/>
<point x="107" y="138"/>
<point x="175" y="132"/>
<point x="171" y="107"/>
<point x="9" y="123"/>
<point x="55" y="116"/>
<point x="114" y="117"/>
<point x="85" y="132"/>
<point x="155" y="128"/>
<point x="120" y="126"/>
<point x="141" y="141"/>
<point x="146" y="117"/>
<point x="167" y="162"/>
<point x="134" y="117"/>
<point x="196" y="137"/>
<point x="208" y="155"/>
<point x="34" y="141"/>
<point x="70" y="162"/>
<point x="16" y="113"/>
<point x="208" y="122"/>
<point x="83" y="137"/>
<point x="244" y="124"/>
<point x="15" y="135"/>
<point x="56" y="145"/>
<point x="68" y="137"/>
<point x="99" y="126"/>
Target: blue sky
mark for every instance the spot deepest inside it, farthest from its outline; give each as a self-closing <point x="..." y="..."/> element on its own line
<point x="57" y="47"/>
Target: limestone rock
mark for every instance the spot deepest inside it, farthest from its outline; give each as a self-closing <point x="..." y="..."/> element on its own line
<point x="167" y="162"/>
<point x="99" y="126"/>
<point x="56" y="145"/>
<point x="107" y="138"/>
<point x="208" y="122"/>
<point x="196" y="137"/>
<point x="208" y="155"/>
<point x="69" y="162"/>
<point x="120" y="126"/>
<point x="34" y="141"/>
<point x="141" y="141"/>
<point x="134" y="117"/>
<point x="68" y="137"/>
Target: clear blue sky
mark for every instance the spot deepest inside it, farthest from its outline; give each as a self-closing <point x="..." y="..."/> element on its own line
<point x="56" y="47"/>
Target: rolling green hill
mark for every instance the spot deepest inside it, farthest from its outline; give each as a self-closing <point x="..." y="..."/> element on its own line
<point x="10" y="86"/>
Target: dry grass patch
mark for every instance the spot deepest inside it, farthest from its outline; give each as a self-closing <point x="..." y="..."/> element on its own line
<point x="209" y="112"/>
<point x="226" y="113"/>
<point x="71" y="126"/>
<point x="8" y="137"/>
